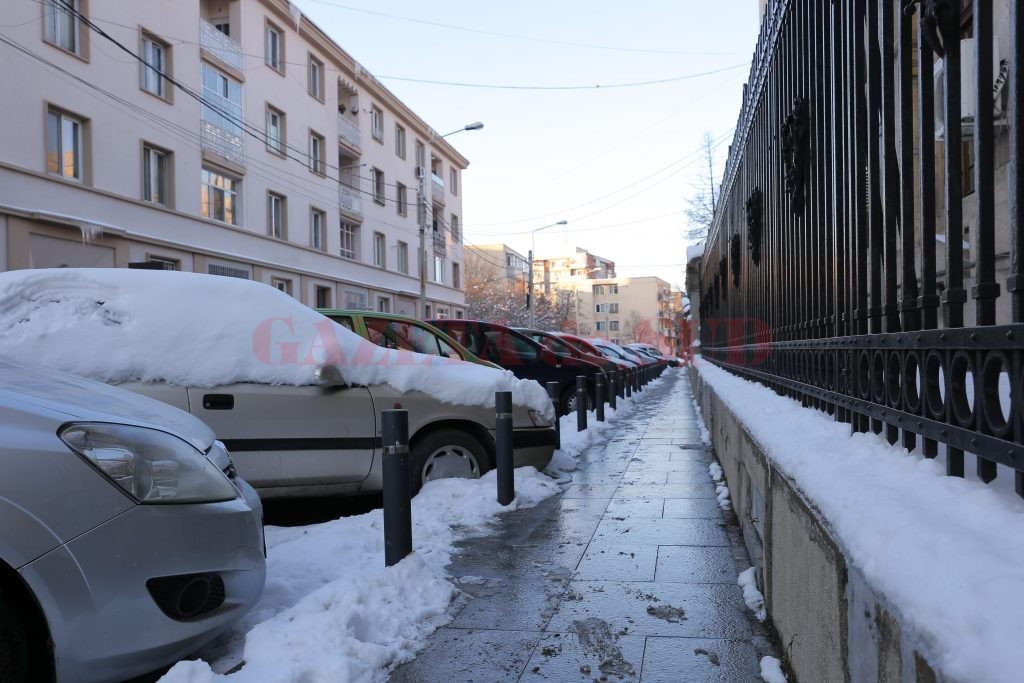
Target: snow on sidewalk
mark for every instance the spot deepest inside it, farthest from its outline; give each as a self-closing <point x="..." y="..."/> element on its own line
<point x="947" y="553"/>
<point x="333" y="613"/>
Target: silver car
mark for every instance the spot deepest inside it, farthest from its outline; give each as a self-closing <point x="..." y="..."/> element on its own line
<point x="126" y="540"/>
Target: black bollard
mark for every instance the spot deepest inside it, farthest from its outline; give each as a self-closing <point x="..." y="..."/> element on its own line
<point x="629" y="382"/>
<point x="620" y="383"/>
<point x="581" y="403"/>
<point x="503" y="441"/>
<point x="613" y="388"/>
<point x="553" y="395"/>
<point x="397" y="491"/>
<point x="599" y="396"/>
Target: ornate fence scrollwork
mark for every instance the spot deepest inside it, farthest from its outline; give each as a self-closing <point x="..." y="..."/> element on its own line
<point x="794" y="154"/>
<point x="755" y="208"/>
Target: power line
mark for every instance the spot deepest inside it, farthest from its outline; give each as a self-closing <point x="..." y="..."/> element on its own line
<point x="515" y="36"/>
<point x="598" y="86"/>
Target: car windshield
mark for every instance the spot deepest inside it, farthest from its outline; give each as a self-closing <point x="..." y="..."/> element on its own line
<point x="552" y="344"/>
<point x="504" y="345"/>
<point x="407" y="336"/>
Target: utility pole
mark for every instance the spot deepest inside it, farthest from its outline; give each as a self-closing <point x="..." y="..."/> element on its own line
<point x="529" y="293"/>
<point x="421" y="214"/>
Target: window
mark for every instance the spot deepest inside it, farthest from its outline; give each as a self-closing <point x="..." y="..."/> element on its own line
<point x="377" y="123"/>
<point x="453" y="180"/>
<point x="323" y="297"/>
<point x="400" y="200"/>
<point x="456" y="235"/>
<point x="316" y="153"/>
<point x="439" y="269"/>
<point x="378" y="185"/>
<point x="229" y="271"/>
<point x="155" y="175"/>
<point x="317" y="221"/>
<point x="275" y="215"/>
<point x="380" y="250"/>
<point x="225" y="94"/>
<point x="613" y="289"/>
<point x="403" y="257"/>
<point x="62" y="26"/>
<point x="275" y="131"/>
<point x="599" y="326"/>
<point x="154" y="66"/>
<point x="383" y="304"/>
<point x="275" y="48"/>
<point x="613" y="326"/>
<point x="355" y="301"/>
<point x="598" y="290"/>
<point x="399" y="141"/>
<point x="421" y="155"/>
<point x="65" y="146"/>
<point x="282" y="285"/>
<point x="219" y="196"/>
<point x="456" y="276"/>
<point x="349" y="241"/>
<point x="163" y="263"/>
<point x="316" y="78"/>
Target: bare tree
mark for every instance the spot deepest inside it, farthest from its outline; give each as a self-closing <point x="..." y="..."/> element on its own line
<point x="636" y="328"/>
<point x="701" y="204"/>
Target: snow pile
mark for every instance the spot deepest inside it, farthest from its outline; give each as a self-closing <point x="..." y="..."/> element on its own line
<point x="771" y="670"/>
<point x="752" y="596"/>
<point x="332" y="612"/>
<point x="721" y="490"/>
<point x="120" y="325"/>
<point x="921" y="538"/>
<point x="694" y="251"/>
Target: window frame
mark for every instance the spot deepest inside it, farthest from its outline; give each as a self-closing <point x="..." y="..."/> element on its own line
<point x="314" y="214"/>
<point x="400" y="148"/>
<point x="455" y="228"/>
<point x="401" y="201"/>
<point x="52" y="10"/>
<point x="456" y="276"/>
<point x="453" y="180"/>
<point x="81" y="148"/>
<point x="150" y="150"/>
<point x="403" y="257"/>
<point x="277" y="282"/>
<point x="163" y="92"/>
<point x="377" y="123"/>
<point x="326" y="291"/>
<point x="282" y="139"/>
<point x="235" y="192"/>
<point x="281" y="201"/>
<point x="380" y="250"/>
<point x="317" y="153"/>
<point x="268" y="28"/>
<point x="315" y="86"/>
<point x="378" y="185"/>
<point x="351" y="236"/>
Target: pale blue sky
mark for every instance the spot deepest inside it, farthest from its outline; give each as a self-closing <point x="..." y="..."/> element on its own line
<point x="548" y="155"/>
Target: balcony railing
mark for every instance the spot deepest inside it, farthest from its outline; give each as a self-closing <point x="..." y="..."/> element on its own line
<point x="350" y="199"/>
<point x="437" y="187"/>
<point x="348" y="130"/>
<point x="219" y="45"/>
<point x="222" y="142"/>
<point x="440" y="243"/>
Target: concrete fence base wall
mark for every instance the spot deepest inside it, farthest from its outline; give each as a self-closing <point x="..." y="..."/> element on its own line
<point x="832" y="625"/>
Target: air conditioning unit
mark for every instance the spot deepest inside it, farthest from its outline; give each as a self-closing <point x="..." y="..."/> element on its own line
<point x="1000" y="68"/>
<point x="421" y="172"/>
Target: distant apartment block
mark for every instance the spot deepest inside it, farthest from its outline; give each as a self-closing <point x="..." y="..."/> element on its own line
<point x="243" y="142"/>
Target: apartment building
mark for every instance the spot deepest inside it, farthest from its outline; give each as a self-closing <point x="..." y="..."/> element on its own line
<point x="237" y="140"/>
<point x="497" y="264"/>
<point x="629" y="309"/>
<point x="560" y="272"/>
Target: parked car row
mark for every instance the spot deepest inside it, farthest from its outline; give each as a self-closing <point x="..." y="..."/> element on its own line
<point x="131" y="535"/>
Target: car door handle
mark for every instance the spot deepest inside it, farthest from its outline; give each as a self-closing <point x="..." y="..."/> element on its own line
<point x="218" y="401"/>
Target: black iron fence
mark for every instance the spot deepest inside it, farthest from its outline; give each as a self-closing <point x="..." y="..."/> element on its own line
<point x="866" y="254"/>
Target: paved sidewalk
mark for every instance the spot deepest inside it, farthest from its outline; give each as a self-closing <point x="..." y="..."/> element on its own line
<point x="630" y="574"/>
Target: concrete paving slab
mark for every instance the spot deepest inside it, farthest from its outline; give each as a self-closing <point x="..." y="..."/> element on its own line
<point x="696" y="564"/>
<point x="673" y="660"/>
<point x="618" y="562"/>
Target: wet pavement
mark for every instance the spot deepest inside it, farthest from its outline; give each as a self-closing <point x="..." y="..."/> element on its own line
<point x="630" y="574"/>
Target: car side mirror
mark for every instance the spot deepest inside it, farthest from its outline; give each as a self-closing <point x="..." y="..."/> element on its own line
<point x="329" y="376"/>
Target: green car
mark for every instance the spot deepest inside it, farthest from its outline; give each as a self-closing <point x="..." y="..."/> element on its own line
<point x="395" y="331"/>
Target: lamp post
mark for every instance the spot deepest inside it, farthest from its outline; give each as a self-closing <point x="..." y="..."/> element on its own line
<point x="529" y="291"/>
<point x="421" y="214"/>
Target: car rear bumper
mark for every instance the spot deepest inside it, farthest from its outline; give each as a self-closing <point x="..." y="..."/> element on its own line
<point x="533" y="446"/>
<point x="100" y="601"/>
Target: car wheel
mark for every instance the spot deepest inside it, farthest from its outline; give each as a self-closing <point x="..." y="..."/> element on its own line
<point x="569" y="401"/>
<point x="447" y="453"/>
<point x="18" y="656"/>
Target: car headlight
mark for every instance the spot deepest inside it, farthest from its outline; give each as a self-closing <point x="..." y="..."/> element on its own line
<point x="150" y="465"/>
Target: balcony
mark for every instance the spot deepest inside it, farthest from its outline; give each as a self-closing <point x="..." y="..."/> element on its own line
<point x="437" y="188"/>
<point x="348" y="131"/>
<point x="222" y="142"/>
<point x="350" y="200"/>
<point x="440" y="243"/>
<point x="219" y="45"/>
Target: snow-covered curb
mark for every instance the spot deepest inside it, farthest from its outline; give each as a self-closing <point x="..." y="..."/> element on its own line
<point x="755" y="601"/>
<point x="332" y="612"/>
<point x="948" y="554"/>
<point x="771" y="670"/>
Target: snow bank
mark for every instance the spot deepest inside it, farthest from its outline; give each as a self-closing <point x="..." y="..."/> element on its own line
<point x="694" y="251"/>
<point x="947" y="553"/>
<point x="755" y="601"/>
<point x="120" y="325"/>
<point x="332" y="612"/>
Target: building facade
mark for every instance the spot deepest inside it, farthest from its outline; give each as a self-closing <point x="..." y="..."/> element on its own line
<point x="499" y="264"/>
<point x="230" y="137"/>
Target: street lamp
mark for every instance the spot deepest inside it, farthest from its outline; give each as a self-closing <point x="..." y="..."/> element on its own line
<point x="421" y="207"/>
<point x="529" y="295"/>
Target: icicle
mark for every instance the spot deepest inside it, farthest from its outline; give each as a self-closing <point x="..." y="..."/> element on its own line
<point x="90" y="231"/>
<point x="296" y="15"/>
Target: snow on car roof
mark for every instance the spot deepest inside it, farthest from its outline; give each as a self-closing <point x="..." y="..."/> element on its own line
<point x="191" y="329"/>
